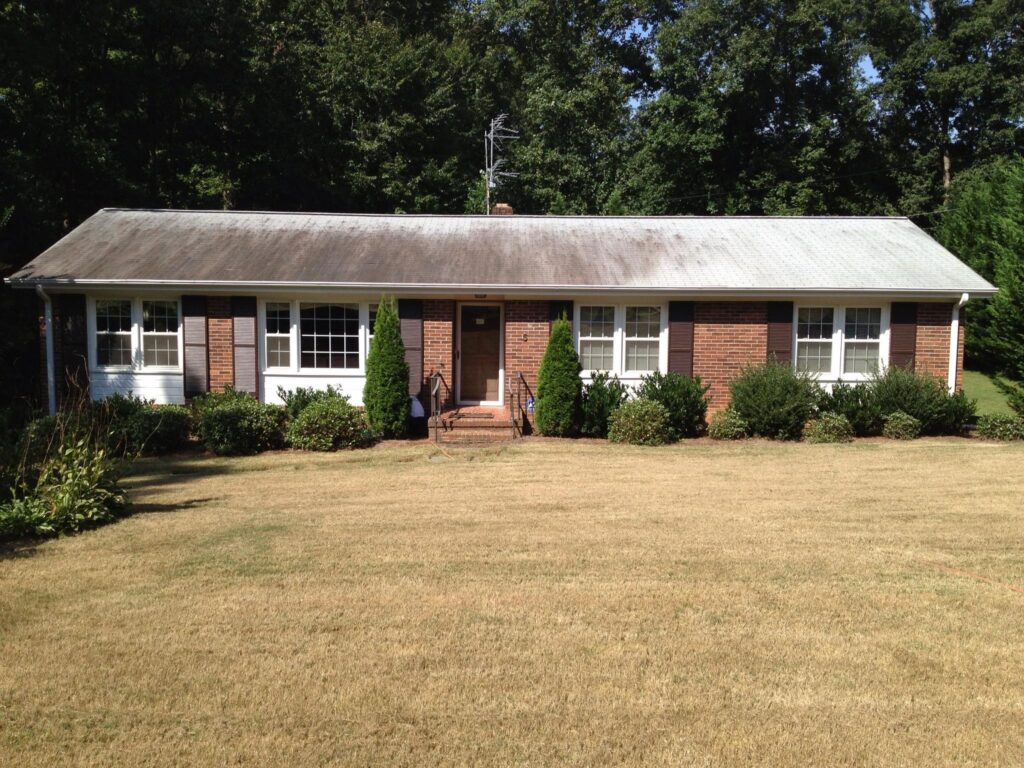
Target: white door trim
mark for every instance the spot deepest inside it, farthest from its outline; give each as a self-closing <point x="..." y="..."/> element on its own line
<point x="501" y="352"/>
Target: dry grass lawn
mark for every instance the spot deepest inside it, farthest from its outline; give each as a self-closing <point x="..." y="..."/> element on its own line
<point x="539" y="604"/>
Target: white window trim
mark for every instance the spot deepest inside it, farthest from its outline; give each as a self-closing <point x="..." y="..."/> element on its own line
<point x="580" y="338"/>
<point x="619" y="335"/>
<point x="836" y="374"/>
<point x="294" y="367"/>
<point x="292" y="332"/>
<point x="501" y="352"/>
<point x="138" y="359"/>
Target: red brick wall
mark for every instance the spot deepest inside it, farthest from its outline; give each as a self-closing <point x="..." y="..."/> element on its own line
<point x="934" y="322"/>
<point x="727" y="335"/>
<point x="220" y="339"/>
<point x="527" y="328"/>
<point x="439" y="342"/>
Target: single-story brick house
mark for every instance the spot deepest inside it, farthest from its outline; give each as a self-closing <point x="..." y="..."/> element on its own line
<point x="170" y="304"/>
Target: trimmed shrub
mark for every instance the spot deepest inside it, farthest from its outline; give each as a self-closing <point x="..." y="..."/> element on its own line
<point x="602" y="397"/>
<point x="926" y="398"/>
<point x="728" y="425"/>
<point x="684" y="398"/>
<point x="641" y="422"/>
<point x="298" y="399"/>
<point x="158" y="429"/>
<point x="829" y="428"/>
<point x="960" y="411"/>
<point x="856" y="403"/>
<point x="901" y="426"/>
<point x="774" y="400"/>
<point x="242" y="426"/>
<point x="1001" y="427"/>
<point x="386" y="392"/>
<point x="559" y="388"/>
<point x="205" y="403"/>
<point x="330" y="424"/>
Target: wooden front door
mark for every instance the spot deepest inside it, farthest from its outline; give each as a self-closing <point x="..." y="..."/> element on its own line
<point x="479" y="353"/>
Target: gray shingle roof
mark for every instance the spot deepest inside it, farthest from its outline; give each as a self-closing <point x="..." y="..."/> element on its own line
<point x="682" y="254"/>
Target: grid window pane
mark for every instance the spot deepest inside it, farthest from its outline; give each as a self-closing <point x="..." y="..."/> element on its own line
<point x="596" y="355"/>
<point x="113" y="316"/>
<point x="814" y="323"/>
<point x="113" y="349"/>
<point x="863" y="323"/>
<point x="860" y="357"/>
<point x="372" y="319"/>
<point x="643" y="323"/>
<point x="279" y="318"/>
<point x="814" y="356"/>
<point x="642" y="355"/>
<point x="329" y="336"/>
<point x="278" y="351"/>
<point x="113" y="332"/>
<point x="597" y="322"/>
<point x="160" y="317"/>
<point x="160" y="333"/>
<point x="160" y="350"/>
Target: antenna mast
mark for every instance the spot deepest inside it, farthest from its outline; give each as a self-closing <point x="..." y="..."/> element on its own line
<point x="494" y="138"/>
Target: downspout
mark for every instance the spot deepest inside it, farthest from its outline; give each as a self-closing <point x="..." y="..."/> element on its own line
<point x="954" y="341"/>
<point x="51" y="380"/>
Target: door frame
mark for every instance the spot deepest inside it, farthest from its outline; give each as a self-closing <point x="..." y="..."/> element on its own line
<point x="501" y="352"/>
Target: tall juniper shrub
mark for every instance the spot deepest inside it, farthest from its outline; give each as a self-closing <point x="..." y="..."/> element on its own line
<point x="559" y="389"/>
<point x="386" y="393"/>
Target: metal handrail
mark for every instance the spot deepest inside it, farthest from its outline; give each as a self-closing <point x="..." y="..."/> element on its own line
<point x="518" y="387"/>
<point x="436" y="380"/>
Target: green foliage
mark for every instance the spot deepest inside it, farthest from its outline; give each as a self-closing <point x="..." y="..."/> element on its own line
<point x="1015" y="399"/>
<point x="926" y="398"/>
<point x="207" y="402"/>
<point x="386" y="393"/>
<point x="601" y="398"/>
<point x="641" y="422"/>
<point x="242" y="426"/>
<point x="774" y="400"/>
<point x="298" y="399"/>
<point x="328" y="425"/>
<point x="684" y="398"/>
<point x="856" y="403"/>
<point x="1001" y="427"/>
<point x="901" y="426"/>
<point x="728" y="425"/>
<point x="559" y="388"/>
<point x="159" y="429"/>
<point x="829" y="428"/>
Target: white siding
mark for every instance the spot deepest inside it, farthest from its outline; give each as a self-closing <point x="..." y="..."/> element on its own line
<point x="159" y="387"/>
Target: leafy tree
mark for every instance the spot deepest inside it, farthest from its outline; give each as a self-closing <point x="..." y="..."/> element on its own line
<point x="386" y="393"/>
<point x="559" y="388"/>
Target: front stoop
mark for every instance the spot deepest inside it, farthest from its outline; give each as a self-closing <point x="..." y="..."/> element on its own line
<point x="473" y="424"/>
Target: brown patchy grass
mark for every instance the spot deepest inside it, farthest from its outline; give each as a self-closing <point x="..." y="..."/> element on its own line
<point x="546" y="603"/>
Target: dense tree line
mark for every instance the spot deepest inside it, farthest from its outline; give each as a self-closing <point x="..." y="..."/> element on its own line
<point x="624" y="106"/>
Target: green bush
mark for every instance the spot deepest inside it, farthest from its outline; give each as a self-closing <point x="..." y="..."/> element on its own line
<point x="24" y="518"/>
<point x="1001" y="427"/>
<point x="1015" y="398"/>
<point x="208" y="401"/>
<point x="684" y="398"/>
<point x="559" y="388"/>
<point x="601" y="398"/>
<point x="641" y="422"/>
<point x="728" y="425"/>
<point x="774" y="400"/>
<point x="79" y="488"/>
<point x="829" y="428"/>
<point x="298" y="399"/>
<point x="926" y="398"/>
<point x="386" y="393"/>
<point x="242" y="426"/>
<point x="901" y="426"/>
<point x="856" y="403"/>
<point x="328" y="425"/>
<point x="157" y="429"/>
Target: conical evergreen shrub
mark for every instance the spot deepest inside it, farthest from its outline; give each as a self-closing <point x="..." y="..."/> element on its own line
<point x="559" y="388"/>
<point x="386" y="393"/>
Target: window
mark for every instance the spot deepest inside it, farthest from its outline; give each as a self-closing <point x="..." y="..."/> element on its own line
<point x="814" y="326"/>
<point x="370" y="326"/>
<point x="861" y="336"/>
<point x="597" y="331"/>
<point x="643" y="332"/>
<point x="114" y="333"/>
<point x="160" y="333"/>
<point x="329" y="336"/>
<point x="279" y="334"/>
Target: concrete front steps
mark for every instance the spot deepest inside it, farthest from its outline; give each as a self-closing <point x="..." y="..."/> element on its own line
<point x="469" y="425"/>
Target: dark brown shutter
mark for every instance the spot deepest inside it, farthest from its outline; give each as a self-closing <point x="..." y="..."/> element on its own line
<point x="680" y="337"/>
<point x="903" y="334"/>
<point x="780" y="331"/>
<point x="243" y="317"/>
<point x="558" y="308"/>
<point x="193" y="310"/>
<point x="410" y="320"/>
<point x="73" y="374"/>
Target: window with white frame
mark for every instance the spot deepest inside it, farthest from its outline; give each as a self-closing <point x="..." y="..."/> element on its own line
<point x="862" y="334"/>
<point x="279" y="334"/>
<point x="643" y="338"/>
<point x="597" y="334"/>
<point x="329" y="336"/>
<point x="814" y="330"/>
<point x="370" y="326"/>
<point x="839" y="341"/>
<point x="160" y="334"/>
<point x="114" y="333"/>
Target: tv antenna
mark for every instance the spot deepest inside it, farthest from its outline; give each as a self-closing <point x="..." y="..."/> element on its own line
<point x="494" y="142"/>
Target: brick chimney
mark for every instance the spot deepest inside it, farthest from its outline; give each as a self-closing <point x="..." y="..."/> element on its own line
<point x="502" y="209"/>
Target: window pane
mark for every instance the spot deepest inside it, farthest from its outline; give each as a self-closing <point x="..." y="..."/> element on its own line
<point x="329" y="336"/>
<point x="596" y="355"/>
<point x="814" y="356"/>
<point x="814" y="323"/>
<point x="642" y="355"/>
<point x="113" y="316"/>
<point x="279" y="318"/>
<point x="278" y="351"/>
<point x="863" y="323"/>
<point x="160" y="350"/>
<point x="113" y="349"/>
<point x="373" y="319"/>
<point x="597" y="321"/>
<point x="643" y="323"/>
<point x="860" y="357"/>
<point x="160" y="316"/>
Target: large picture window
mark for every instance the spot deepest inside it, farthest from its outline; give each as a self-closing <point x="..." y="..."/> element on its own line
<point x="160" y="334"/>
<point x="114" y="333"/>
<point x="329" y="336"/>
<point x="279" y="334"/>
<point x="840" y="342"/>
<point x="643" y="333"/>
<point x="597" y="334"/>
